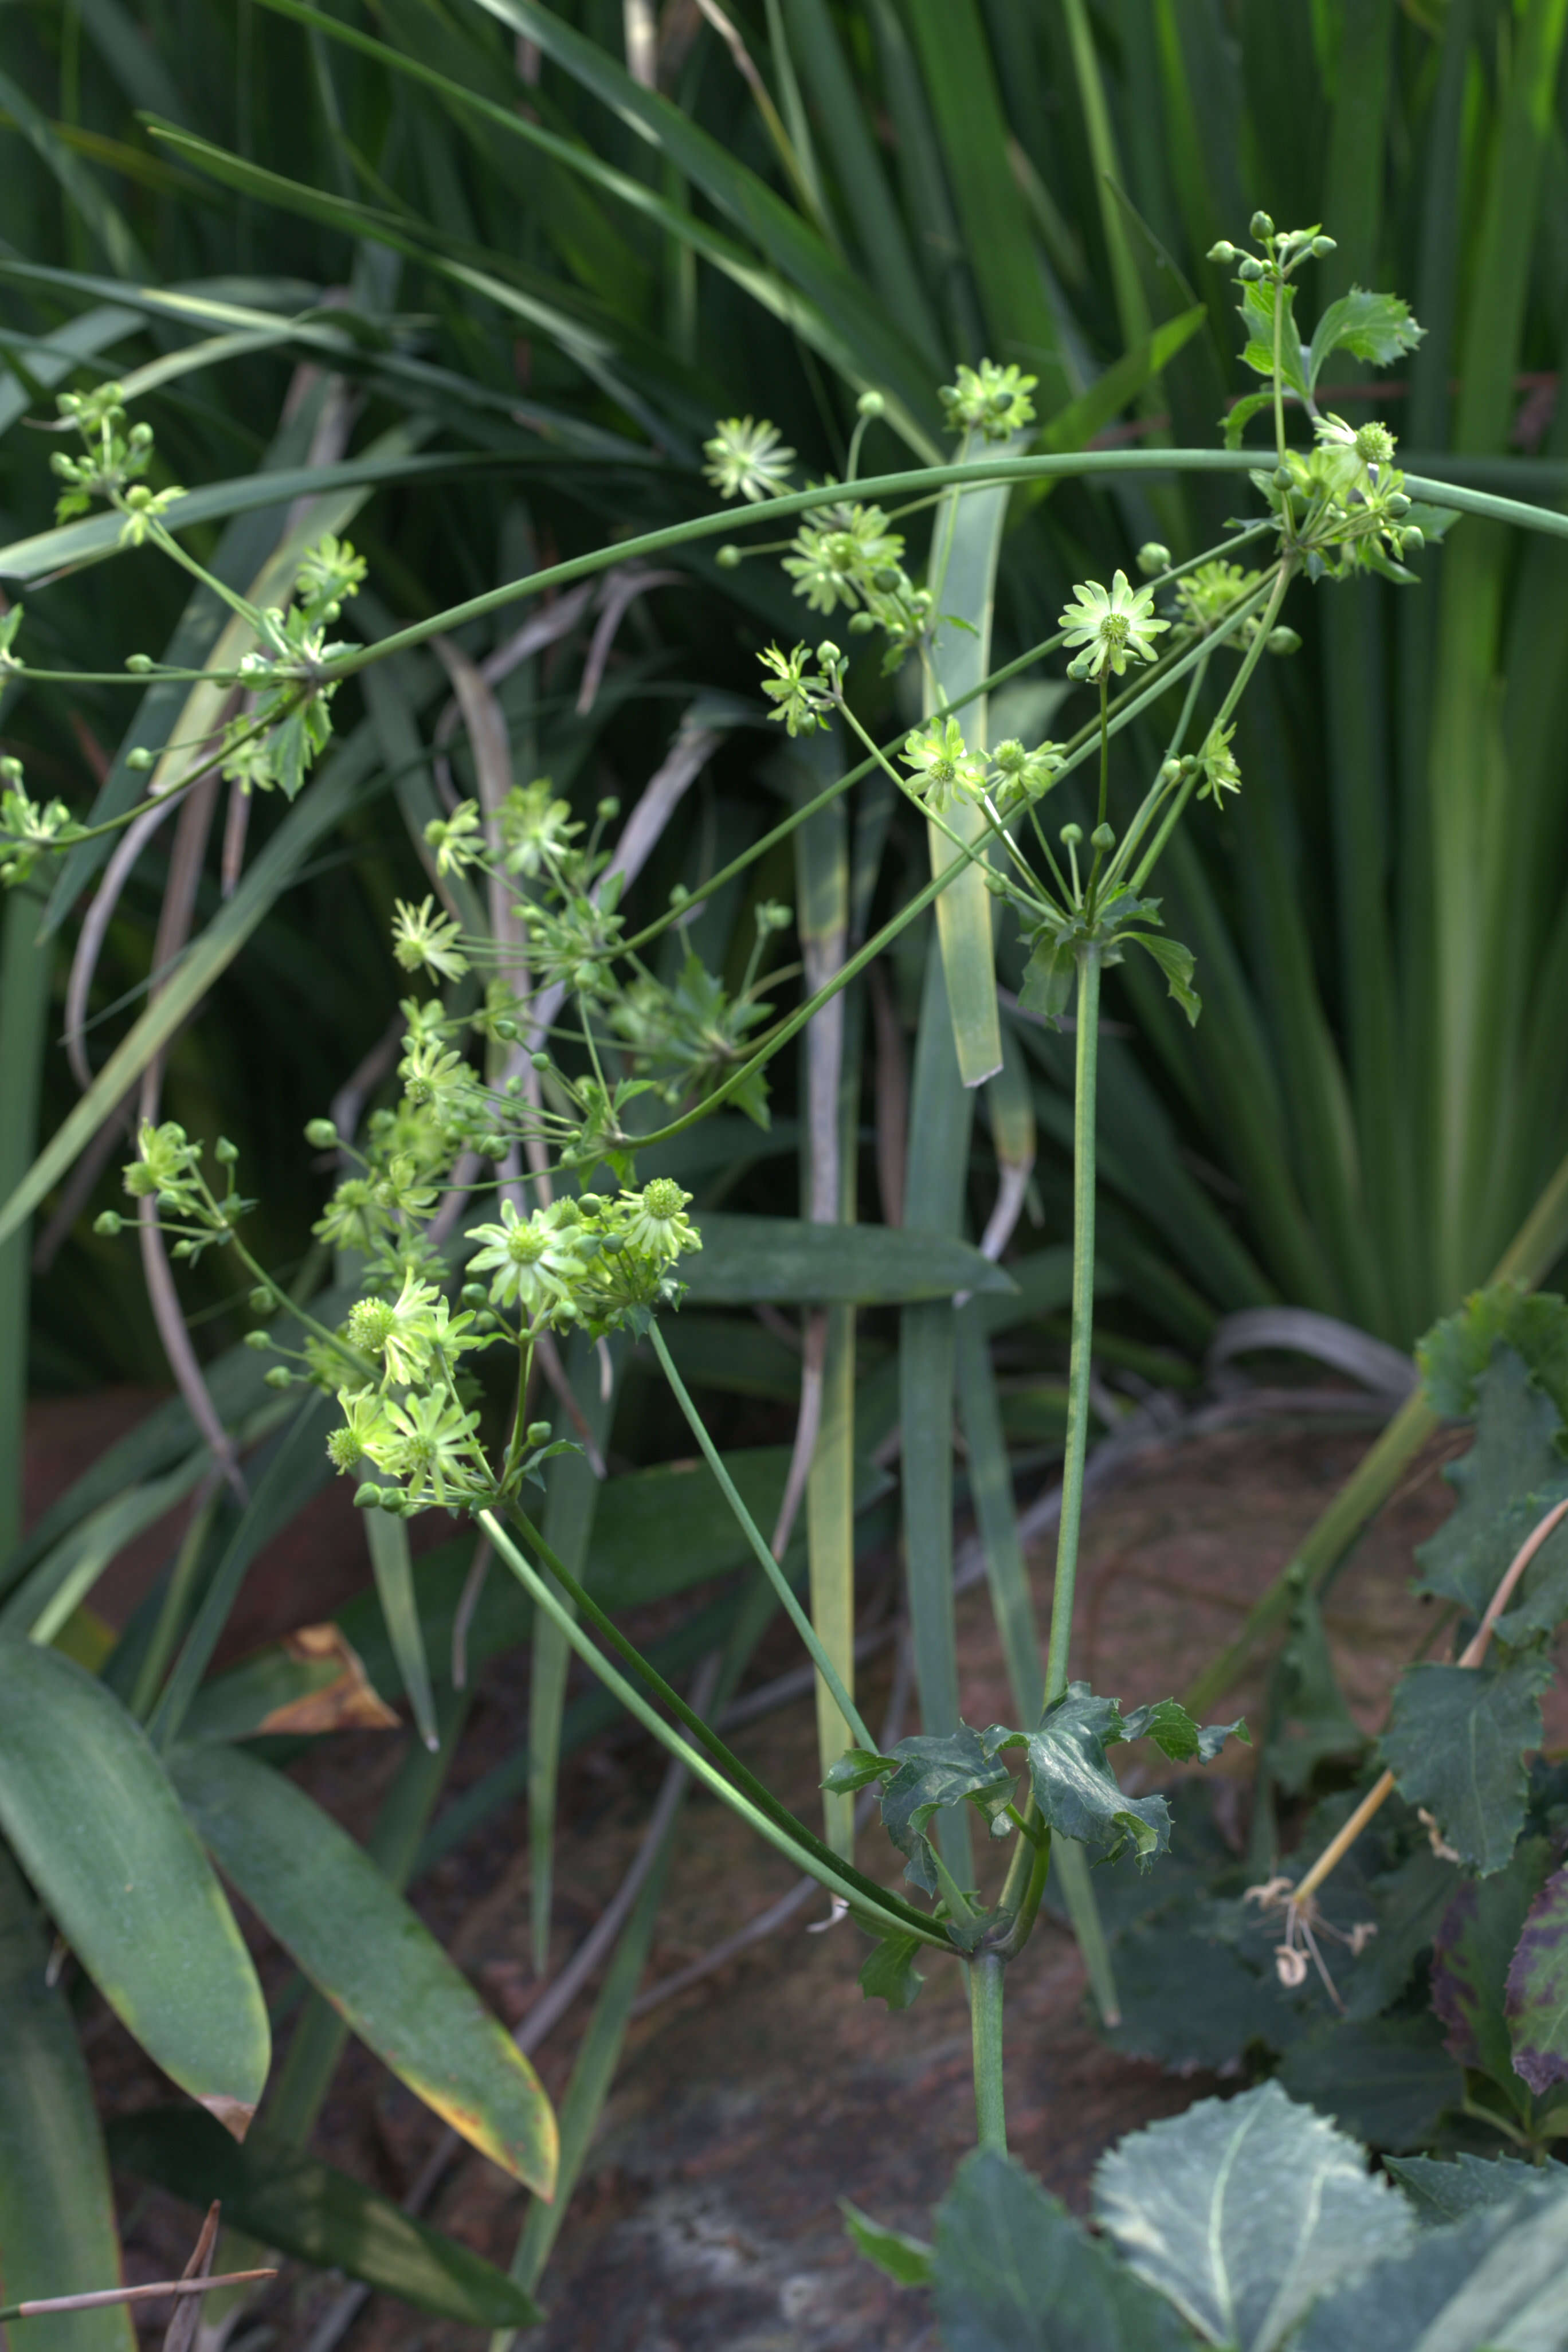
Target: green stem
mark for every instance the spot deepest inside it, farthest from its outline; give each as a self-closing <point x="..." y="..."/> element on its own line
<point x="987" y="1971"/>
<point x="805" y="1852"/>
<point x="769" y="1565"/>
<point x="760" y="1797"/>
<point x="1279" y="361"/>
<point x="1085" y="1078"/>
<point x="1238" y="688"/>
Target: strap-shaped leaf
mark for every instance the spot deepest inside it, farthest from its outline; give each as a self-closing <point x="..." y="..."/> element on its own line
<point x="745" y="1259"/>
<point x="318" y="2214"/>
<point x="334" y="1914"/>
<point x="57" y="2210"/>
<point x="95" y="1824"/>
<point x="1242" y="2210"/>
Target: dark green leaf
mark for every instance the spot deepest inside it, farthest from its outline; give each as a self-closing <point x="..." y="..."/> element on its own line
<point x="1048" y="977"/>
<point x="932" y="1772"/>
<point x="96" y="1826"/>
<point x="1388" y="2080"/>
<point x="316" y="2214"/>
<point x="1014" y="2272"/>
<point x="1455" y="1744"/>
<point x="1076" y="1790"/>
<point x="746" y="1259"/>
<point x="57" y="2208"/>
<point x="1448" y="2190"/>
<point x="1178" y="965"/>
<point x="1538" y="1989"/>
<point x="335" y="1915"/>
<point x="1172" y="1728"/>
<point x="1188" y="2000"/>
<point x="907" y="2260"/>
<point x="1238" y="417"/>
<point x="1408" y="1903"/>
<point x="857" y="1769"/>
<point x="889" y="1974"/>
<point x="1511" y="1475"/>
<point x="1456" y="1351"/>
<point x="1475" y="1942"/>
<point x="1376" y="327"/>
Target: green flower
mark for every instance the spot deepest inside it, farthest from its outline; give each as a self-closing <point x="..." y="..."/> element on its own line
<point x="430" y="1442"/>
<point x="457" y="840"/>
<point x="944" y="769"/>
<point x="423" y="939"/>
<point x="1112" y="629"/>
<point x="534" y="1262"/>
<point x="747" y="460"/>
<point x="536" y="829"/>
<point x="847" y="556"/>
<point x="991" y="400"/>
<point x="1220" y="772"/>
<point x="1023" y="775"/>
<point x="364" y="1428"/>
<point x="1373" y="444"/>
<point x="1207" y="596"/>
<point x="330" y="573"/>
<point x="29" y="829"/>
<point x="800" y="701"/>
<point x="657" y="1225"/>
<point x="165" y="1167"/>
<point x="405" y="1332"/>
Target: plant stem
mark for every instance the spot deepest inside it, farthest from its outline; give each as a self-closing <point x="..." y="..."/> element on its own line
<point x="769" y="1565"/>
<point x="1085" y="1078"/>
<point x="1279" y="361"/>
<point x="986" y="1974"/>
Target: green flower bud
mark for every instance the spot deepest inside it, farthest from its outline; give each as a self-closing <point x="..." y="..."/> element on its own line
<point x="140" y="663"/>
<point x="506" y="1029"/>
<point x="539" y="1432"/>
<point x="1322" y="246"/>
<point x="608" y="809"/>
<point x="320" y="1135"/>
<point x="828" y="654"/>
<point x="1071" y="834"/>
<point x="1284" y="641"/>
<point x="1221" y="252"/>
<point x="109" y="1224"/>
<point x="862" y="623"/>
<point x="1171" y="772"/>
<point x="729" y="558"/>
<point x="184" y="1249"/>
<point x="1283" y="478"/>
<point x="370" y="1497"/>
<point x="539" y="1061"/>
<point x="870" y="403"/>
<point x="225" y="1152"/>
<point x="1153" y="559"/>
<point x="260" y="1302"/>
<point x="1412" y="538"/>
<point x="1250" y="270"/>
<point x="280" y="1377"/>
<point x="1259" y="226"/>
<point x="260" y="1341"/>
<point x="141" y="758"/>
<point x="1102" y="838"/>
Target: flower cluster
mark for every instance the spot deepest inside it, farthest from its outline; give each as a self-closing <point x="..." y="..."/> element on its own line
<point x="112" y="463"/>
<point x="945" y="771"/>
<point x="275" y="742"/>
<point x="29" y="829"/>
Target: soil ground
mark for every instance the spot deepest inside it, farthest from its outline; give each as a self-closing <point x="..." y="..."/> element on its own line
<point x="747" y="2107"/>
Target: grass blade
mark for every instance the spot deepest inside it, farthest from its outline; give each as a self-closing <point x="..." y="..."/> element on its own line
<point x="26" y="962"/>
